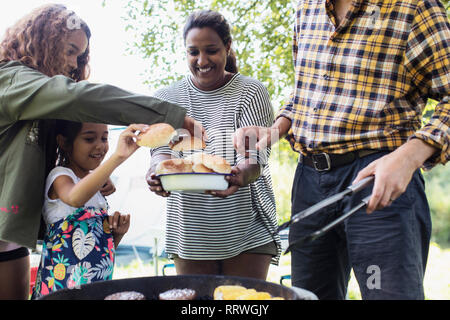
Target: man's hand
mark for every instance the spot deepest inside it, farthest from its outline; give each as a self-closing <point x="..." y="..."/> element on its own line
<point x="251" y="139"/>
<point x="394" y="171"/>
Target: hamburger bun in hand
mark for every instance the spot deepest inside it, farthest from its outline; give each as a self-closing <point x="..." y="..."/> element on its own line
<point x="157" y="135"/>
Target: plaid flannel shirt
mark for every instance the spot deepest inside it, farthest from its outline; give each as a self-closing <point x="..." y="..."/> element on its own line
<point x="365" y="83"/>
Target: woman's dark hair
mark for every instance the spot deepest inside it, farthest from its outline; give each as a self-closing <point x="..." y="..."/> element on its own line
<point x="217" y="22"/>
<point x="69" y="131"/>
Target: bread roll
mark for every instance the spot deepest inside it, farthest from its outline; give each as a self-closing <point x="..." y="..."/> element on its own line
<point x="157" y="135"/>
<point x="201" y="168"/>
<point x="174" y="166"/>
<point x="188" y="143"/>
<point x="210" y="161"/>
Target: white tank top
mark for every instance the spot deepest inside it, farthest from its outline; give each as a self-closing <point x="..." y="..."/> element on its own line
<point x="55" y="210"/>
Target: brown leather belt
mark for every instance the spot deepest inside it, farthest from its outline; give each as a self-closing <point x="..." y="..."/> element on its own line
<point x="328" y="161"/>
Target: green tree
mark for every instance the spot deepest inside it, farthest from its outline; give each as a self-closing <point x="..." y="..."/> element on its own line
<point x="261" y="38"/>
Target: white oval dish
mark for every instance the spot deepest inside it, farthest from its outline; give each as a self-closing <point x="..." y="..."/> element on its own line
<point x="193" y="182"/>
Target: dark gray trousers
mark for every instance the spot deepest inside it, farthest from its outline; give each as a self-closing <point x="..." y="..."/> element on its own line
<point x="387" y="249"/>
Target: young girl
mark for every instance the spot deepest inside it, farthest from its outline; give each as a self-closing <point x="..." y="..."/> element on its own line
<point x="81" y="238"/>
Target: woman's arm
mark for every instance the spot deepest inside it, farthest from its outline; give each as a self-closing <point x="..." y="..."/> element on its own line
<point x="27" y="94"/>
<point x="153" y="182"/>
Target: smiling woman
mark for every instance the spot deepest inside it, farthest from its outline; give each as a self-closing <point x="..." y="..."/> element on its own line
<point x="231" y="231"/>
<point x="207" y="57"/>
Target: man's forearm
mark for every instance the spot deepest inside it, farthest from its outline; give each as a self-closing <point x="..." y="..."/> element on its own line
<point x="418" y="151"/>
<point x="282" y="125"/>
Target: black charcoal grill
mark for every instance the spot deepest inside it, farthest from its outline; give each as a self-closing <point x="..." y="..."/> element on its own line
<point x="151" y="287"/>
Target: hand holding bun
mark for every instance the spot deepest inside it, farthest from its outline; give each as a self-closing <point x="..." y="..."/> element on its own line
<point x="157" y="135"/>
<point x="161" y="134"/>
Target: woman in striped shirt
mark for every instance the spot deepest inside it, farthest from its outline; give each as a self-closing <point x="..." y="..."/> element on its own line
<point x="227" y="232"/>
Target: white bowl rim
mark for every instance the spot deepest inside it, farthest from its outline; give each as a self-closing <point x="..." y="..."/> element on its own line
<point x="190" y="173"/>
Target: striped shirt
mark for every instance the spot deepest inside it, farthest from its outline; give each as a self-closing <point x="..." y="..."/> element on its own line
<point x="365" y="83"/>
<point x="203" y="227"/>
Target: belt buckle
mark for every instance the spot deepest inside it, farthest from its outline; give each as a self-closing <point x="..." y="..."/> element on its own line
<point x="316" y="162"/>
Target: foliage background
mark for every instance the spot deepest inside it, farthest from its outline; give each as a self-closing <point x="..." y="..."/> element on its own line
<point x="262" y="32"/>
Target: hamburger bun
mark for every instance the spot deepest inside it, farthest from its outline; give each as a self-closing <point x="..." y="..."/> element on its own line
<point x="157" y="135"/>
<point x="210" y="161"/>
<point x="201" y="168"/>
<point x="188" y="143"/>
<point x="174" y="166"/>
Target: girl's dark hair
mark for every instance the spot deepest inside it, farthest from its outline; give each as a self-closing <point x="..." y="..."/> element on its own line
<point x="217" y="22"/>
<point x="69" y="131"/>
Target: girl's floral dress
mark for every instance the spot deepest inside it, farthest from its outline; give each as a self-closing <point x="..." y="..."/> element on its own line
<point x="77" y="250"/>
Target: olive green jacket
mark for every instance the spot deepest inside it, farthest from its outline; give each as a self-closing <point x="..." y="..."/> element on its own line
<point x="29" y="104"/>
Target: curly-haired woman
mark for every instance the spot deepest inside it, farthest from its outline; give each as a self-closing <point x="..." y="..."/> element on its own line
<point x="43" y="60"/>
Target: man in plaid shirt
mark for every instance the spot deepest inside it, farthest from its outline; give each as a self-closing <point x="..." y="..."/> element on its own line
<point x="364" y="70"/>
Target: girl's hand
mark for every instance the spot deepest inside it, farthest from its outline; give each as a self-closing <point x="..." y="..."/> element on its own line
<point x="108" y="188"/>
<point x="154" y="184"/>
<point x="126" y="145"/>
<point x="119" y="224"/>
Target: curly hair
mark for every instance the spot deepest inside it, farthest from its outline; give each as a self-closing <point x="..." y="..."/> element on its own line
<point x="36" y="41"/>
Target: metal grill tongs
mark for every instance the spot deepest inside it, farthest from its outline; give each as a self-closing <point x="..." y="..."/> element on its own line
<point x="323" y="204"/>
